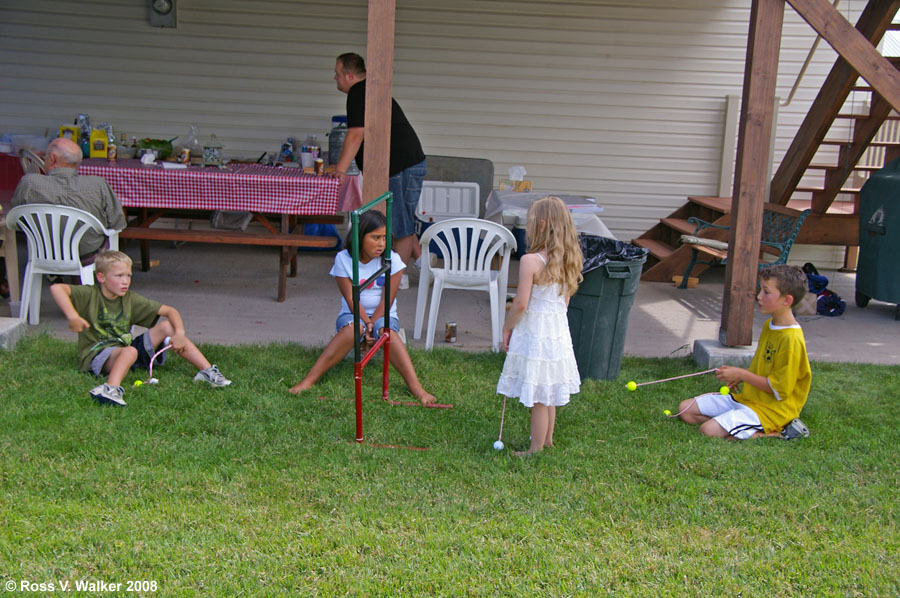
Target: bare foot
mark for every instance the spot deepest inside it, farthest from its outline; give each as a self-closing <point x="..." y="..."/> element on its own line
<point x="425" y="397"/>
<point x="299" y="387"/>
<point x="527" y="453"/>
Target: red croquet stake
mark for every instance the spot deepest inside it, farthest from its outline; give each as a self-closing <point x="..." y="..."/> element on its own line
<point x="676" y="377"/>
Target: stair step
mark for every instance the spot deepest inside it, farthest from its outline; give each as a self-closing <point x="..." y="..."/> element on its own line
<point x="657" y="248"/>
<point x="680" y="224"/>
<point x="837" y="207"/>
<point x="857" y="168"/>
<point x="817" y="188"/>
<point x="871" y="143"/>
<point x="721" y="204"/>
<point x="864" y="116"/>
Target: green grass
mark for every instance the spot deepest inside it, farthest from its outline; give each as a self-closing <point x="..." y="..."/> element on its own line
<point x="252" y="491"/>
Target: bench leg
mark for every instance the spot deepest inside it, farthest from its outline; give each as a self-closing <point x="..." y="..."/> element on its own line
<point x="282" y="274"/>
<point x="687" y="273"/>
<point x="145" y="256"/>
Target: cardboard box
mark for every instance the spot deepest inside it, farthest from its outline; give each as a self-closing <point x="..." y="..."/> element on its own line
<point x="507" y="185"/>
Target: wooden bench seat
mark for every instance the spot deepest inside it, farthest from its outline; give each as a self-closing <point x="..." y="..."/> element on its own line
<point x="288" y="242"/>
<point x="232" y="237"/>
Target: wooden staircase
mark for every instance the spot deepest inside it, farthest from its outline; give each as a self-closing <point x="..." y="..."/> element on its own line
<point x="833" y="202"/>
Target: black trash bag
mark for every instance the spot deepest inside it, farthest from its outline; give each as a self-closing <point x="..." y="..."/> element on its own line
<point x="598" y="251"/>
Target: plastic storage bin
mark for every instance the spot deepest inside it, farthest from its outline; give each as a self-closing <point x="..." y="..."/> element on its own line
<point x="877" y="274"/>
<point x="598" y="312"/>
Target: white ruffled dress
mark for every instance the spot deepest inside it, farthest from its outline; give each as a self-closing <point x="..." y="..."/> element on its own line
<point x="540" y="364"/>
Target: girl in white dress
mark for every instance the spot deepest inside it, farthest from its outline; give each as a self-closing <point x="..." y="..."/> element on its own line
<point x="540" y="368"/>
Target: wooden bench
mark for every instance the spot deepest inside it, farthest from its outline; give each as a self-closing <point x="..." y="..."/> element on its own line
<point x="780" y="227"/>
<point x="140" y="230"/>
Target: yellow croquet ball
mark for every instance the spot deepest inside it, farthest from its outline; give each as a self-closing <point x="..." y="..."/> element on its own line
<point x="667" y="412"/>
<point x="138" y="383"/>
<point x="724" y="391"/>
<point x="631" y="385"/>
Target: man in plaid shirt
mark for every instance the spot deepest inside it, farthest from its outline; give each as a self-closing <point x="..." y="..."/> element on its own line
<point x="62" y="185"/>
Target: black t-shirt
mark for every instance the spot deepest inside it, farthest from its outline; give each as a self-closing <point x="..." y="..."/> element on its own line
<point x="406" y="150"/>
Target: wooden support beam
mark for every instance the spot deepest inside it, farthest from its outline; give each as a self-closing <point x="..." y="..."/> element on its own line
<point x="854" y="47"/>
<point x="872" y="23"/>
<point x="379" y="79"/>
<point x="757" y="115"/>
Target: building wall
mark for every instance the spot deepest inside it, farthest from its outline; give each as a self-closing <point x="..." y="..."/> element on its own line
<point x="621" y="101"/>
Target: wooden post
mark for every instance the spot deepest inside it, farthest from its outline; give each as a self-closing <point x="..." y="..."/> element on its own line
<point x="757" y="113"/>
<point x="379" y="78"/>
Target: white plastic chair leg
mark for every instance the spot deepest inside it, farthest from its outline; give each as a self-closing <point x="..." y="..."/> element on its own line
<point x="495" y="317"/>
<point x="433" y="312"/>
<point x="32" y="305"/>
<point x="26" y="292"/>
<point x="421" y="300"/>
<point x="87" y="275"/>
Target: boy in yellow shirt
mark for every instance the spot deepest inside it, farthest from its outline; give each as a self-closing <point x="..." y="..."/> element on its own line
<point x="776" y="385"/>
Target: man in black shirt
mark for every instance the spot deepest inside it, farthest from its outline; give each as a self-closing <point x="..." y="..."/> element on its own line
<point x="407" y="160"/>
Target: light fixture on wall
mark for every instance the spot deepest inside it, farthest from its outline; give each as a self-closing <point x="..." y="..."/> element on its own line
<point x="164" y="13"/>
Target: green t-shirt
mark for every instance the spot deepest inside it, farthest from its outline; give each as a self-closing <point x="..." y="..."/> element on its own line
<point x="781" y="358"/>
<point x="110" y="319"/>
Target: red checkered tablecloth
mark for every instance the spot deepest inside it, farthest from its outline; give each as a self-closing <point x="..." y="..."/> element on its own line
<point x="245" y="187"/>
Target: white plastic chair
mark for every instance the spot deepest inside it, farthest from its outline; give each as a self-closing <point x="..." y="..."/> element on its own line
<point x="31" y="162"/>
<point x="53" y="234"/>
<point x="468" y="247"/>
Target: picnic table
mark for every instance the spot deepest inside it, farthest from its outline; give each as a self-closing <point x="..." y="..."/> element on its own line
<point x="150" y="192"/>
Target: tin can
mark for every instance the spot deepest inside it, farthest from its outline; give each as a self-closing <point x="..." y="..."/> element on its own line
<point x="111" y="152"/>
<point x="450" y="335"/>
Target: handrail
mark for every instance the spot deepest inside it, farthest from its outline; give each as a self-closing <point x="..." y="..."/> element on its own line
<point x="803" y="68"/>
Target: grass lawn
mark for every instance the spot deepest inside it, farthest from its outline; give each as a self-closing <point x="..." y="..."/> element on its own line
<point x="251" y="491"/>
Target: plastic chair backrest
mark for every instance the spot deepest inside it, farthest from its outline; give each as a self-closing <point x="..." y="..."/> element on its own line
<point x="469" y="245"/>
<point x="31" y="162"/>
<point x="54" y="233"/>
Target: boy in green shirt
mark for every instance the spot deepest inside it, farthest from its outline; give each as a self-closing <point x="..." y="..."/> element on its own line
<point x="776" y="385"/>
<point x="103" y="315"/>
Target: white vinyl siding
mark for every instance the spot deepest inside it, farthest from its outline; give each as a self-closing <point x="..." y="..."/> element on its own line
<point x="622" y="101"/>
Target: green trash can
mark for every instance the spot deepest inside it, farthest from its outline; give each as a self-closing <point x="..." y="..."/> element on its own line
<point x="877" y="274"/>
<point x="598" y="312"/>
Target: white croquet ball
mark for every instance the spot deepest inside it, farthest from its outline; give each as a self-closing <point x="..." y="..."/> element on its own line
<point x="498" y="446"/>
<point x="153" y="381"/>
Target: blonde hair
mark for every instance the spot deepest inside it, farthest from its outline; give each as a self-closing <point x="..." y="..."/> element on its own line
<point x="550" y="229"/>
<point x="104" y="261"/>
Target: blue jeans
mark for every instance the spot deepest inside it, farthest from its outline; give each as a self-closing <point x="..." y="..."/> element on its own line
<point x="406" y="186"/>
<point x="347" y="320"/>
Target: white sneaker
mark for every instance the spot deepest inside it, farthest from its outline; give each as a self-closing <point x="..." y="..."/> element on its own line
<point x="404" y="282"/>
<point x="213" y="377"/>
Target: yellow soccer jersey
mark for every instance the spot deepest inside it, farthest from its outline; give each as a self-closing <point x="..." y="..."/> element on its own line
<point x="780" y="357"/>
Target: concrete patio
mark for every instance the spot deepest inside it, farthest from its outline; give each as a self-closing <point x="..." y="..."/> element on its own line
<point x="226" y="295"/>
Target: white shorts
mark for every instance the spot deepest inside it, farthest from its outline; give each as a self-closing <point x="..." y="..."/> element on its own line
<point x="735" y="418"/>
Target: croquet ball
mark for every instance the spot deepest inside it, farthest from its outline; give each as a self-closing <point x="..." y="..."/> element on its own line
<point x="724" y="391"/>
<point x="667" y="412"/>
<point x="153" y="381"/>
<point x="498" y="446"/>
<point x="632" y="385"/>
<point x="137" y="383"/>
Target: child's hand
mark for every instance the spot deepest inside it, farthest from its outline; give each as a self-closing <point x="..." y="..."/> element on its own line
<point x="77" y="324"/>
<point x="506" y="335"/>
<point x="730" y="375"/>
<point x="179" y="343"/>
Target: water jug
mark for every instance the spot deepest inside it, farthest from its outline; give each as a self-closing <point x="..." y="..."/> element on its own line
<point x="336" y="142"/>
